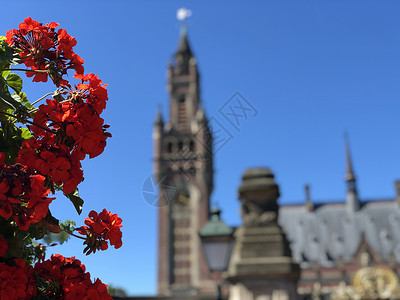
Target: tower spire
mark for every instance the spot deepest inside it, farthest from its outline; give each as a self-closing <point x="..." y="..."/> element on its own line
<point x="352" y="200"/>
<point x="350" y="176"/>
<point x="159" y="118"/>
<point x="309" y="204"/>
<point x="183" y="85"/>
<point x="183" y="46"/>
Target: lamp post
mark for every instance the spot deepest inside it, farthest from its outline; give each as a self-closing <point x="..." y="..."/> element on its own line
<point x="217" y="241"/>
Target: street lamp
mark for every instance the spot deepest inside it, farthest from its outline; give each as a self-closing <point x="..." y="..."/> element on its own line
<point x="217" y="241"/>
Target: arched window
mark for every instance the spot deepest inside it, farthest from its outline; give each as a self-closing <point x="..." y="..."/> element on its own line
<point x="180" y="146"/>
<point x="169" y="147"/>
<point x="191" y="146"/>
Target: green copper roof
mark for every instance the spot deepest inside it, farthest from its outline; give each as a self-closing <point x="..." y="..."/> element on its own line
<point x="215" y="226"/>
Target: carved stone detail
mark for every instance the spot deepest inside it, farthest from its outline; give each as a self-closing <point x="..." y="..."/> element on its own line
<point x="258" y="194"/>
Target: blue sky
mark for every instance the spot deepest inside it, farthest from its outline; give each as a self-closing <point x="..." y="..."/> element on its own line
<point x="311" y="69"/>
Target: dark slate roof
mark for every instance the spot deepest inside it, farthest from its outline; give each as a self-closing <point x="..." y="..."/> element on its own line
<point x="332" y="231"/>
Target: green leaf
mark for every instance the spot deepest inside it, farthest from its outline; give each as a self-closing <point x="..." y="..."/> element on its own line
<point x="24" y="101"/>
<point x="15" y="82"/>
<point x="76" y="200"/>
<point x="25" y="133"/>
<point x="5" y="73"/>
<point x="8" y="54"/>
<point x="5" y="97"/>
<point x="2" y="38"/>
<point x="16" y="97"/>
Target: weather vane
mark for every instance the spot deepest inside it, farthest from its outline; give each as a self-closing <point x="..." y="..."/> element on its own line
<point x="183" y="13"/>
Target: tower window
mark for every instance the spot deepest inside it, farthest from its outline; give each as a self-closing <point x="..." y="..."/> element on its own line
<point x="191" y="146"/>
<point x="169" y="147"/>
<point x="180" y="146"/>
<point x="181" y="110"/>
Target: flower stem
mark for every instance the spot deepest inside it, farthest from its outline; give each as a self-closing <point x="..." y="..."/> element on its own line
<point x="77" y="236"/>
<point x="26" y="70"/>
<point x="41" y="98"/>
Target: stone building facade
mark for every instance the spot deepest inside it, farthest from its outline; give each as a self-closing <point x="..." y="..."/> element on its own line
<point x="332" y="243"/>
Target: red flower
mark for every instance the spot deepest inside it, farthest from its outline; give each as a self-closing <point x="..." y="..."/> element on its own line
<point x="55" y="162"/>
<point x="65" y="43"/>
<point x="16" y="282"/>
<point x="76" y="124"/>
<point x="95" y="93"/>
<point x="29" y="25"/>
<point x="97" y="291"/>
<point x="44" y="49"/>
<point x="100" y="228"/>
<point x="70" y="280"/>
<point x="23" y="195"/>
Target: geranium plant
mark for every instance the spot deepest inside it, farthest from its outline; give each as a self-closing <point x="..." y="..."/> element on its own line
<point x="42" y="144"/>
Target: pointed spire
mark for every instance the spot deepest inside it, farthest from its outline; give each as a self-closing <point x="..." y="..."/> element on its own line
<point x="352" y="200"/>
<point x="159" y="118"/>
<point x="183" y="46"/>
<point x="350" y="176"/>
<point x="309" y="204"/>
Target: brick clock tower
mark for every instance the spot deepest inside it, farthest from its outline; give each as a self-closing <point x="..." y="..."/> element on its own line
<point x="183" y="165"/>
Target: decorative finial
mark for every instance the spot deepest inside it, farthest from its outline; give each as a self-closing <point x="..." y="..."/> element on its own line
<point x="182" y="14"/>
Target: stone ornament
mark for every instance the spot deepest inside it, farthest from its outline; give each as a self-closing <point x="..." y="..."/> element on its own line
<point x="258" y="195"/>
<point x="370" y="283"/>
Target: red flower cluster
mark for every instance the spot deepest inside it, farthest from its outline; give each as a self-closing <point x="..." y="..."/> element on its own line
<point x="69" y="280"/>
<point x="64" y="131"/>
<point x="56" y="278"/>
<point x="16" y="281"/>
<point x="45" y="49"/>
<point x="100" y="228"/>
<point x="55" y="162"/>
<point x="23" y="195"/>
<point x="94" y="92"/>
<point x="76" y="122"/>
